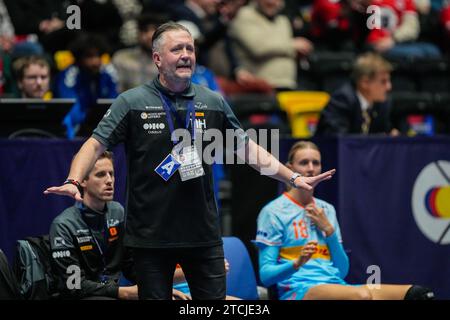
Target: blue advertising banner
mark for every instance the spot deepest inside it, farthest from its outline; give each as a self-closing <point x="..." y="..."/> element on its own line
<point x="394" y="210"/>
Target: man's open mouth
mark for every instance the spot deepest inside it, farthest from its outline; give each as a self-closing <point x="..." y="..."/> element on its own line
<point x="184" y="68"/>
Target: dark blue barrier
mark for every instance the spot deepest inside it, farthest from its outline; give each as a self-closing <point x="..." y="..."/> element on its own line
<point x="382" y="223"/>
<point x="394" y="209"/>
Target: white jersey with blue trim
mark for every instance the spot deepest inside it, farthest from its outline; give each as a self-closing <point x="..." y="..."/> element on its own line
<point x="283" y="223"/>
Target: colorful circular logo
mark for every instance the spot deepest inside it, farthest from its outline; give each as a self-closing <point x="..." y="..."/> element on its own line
<point x="437" y="202"/>
<point x="431" y="201"/>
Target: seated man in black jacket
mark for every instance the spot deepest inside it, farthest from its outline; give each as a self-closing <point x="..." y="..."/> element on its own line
<point x="89" y="236"/>
<point x="360" y="107"/>
<point x="88" y="254"/>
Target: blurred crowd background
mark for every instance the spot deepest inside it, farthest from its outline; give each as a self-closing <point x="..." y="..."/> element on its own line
<point x="277" y="62"/>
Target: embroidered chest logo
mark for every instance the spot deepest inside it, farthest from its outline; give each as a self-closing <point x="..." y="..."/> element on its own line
<point x="153" y="122"/>
<point x="200" y="122"/>
<point x="200" y="106"/>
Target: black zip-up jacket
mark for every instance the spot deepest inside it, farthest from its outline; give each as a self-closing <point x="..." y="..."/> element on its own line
<point x="173" y="213"/>
<point x="92" y="241"/>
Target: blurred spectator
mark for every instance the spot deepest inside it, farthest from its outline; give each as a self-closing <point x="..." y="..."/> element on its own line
<point x="2" y="78"/>
<point x="42" y="18"/>
<point x="15" y="45"/>
<point x="205" y="77"/>
<point x="11" y="48"/>
<point x="6" y="29"/>
<point x="360" y="107"/>
<point x="299" y="13"/>
<point x="438" y="4"/>
<point x="129" y="11"/>
<point x="211" y="20"/>
<point x="135" y="66"/>
<point x="114" y="19"/>
<point x="265" y="46"/>
<point x="399" y="30"/>
<point x="434" y="18"/>
<point x="6" y="44"/>
<point x="445" y="22"/>
<point x="430" y="28"/>
<point x="221" y="58"/>
<point x="160" y="6"/>
<point x="423" y="6"/>
<point x="331" y="24"/>
<point x="33" y="77"/>
<point x="95" y="14"/>
<point x="211" y="17"/>
<point x="86" y="80"/>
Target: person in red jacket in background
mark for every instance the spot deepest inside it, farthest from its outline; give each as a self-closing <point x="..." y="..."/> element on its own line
<point x="395" y="28"/>
<point x="331" y="24"/>
<point x="445" y="22"/>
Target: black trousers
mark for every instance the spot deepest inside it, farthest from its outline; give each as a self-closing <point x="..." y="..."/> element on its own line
<point x="203" y="267"/>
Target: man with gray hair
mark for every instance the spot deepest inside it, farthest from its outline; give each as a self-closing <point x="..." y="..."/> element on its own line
<point x="172" y="218"/>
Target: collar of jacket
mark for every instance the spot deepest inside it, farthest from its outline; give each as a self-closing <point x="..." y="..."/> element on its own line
<point x="187" y="93"/>
<point x="93" y="218"/>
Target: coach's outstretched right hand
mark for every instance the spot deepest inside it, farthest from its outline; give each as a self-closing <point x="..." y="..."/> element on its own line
<point x="66" y="190"/>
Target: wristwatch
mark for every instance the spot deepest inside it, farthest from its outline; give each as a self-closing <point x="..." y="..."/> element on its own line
<point x="294" y="176"/>
<point x="75" y="183"/>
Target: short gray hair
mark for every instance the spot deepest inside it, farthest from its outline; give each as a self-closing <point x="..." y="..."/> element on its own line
<point x="168" y="26"/>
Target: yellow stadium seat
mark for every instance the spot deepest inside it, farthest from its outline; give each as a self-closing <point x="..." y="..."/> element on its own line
<point x="48" y="95"/>
<point x="64" y="58"/>
<point x="303" y="110"/>
<point x="106" y="59"/>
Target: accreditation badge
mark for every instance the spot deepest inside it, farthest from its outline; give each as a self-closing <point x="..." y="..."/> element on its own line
<point x="191" y="166"/>
<point x="167" y="167"/>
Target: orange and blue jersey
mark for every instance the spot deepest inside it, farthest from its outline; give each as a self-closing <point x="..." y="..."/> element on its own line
<point x="182" y="286"/>
<point x="283" y="230"/>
